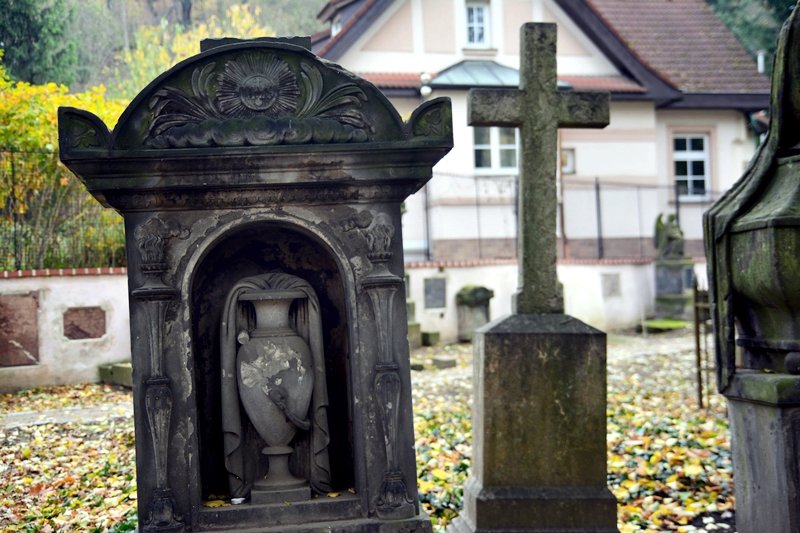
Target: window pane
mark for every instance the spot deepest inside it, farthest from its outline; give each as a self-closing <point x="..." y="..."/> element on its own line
<point x="680" y="144"/>
<point x="508" y="158"/>
<point x="481" y="135"/>
<point x="478" y="15"/>
<point x="698" y="168"/>
<point x="470" y="15"/>
<point x="699" y="187"/>
<point x="683" y="187"/>
<point x="681" y="168"/>
<point x="508" y="136"/>
<point x="697" y="144"/>
<point x="483" y="159"/>
<point x="478" y="35"/>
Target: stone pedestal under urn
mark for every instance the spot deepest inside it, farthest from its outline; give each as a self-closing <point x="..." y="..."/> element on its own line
<point x="261" y="191"/>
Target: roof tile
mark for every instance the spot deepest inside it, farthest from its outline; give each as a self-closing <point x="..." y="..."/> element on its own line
<point x="686" y="42"/>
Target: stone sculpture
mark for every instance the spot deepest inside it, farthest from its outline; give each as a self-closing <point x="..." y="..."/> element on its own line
<point x="751" y="238"/>
<point x="278" y="376"/>
<point x="668" y="238"/>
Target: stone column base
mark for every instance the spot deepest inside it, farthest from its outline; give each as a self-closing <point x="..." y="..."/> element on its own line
<point x="764" y="412"/>
<point x="551" y="509"/>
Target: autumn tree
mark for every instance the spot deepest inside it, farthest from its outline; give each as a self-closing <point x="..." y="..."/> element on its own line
<point x="157" y="48"/>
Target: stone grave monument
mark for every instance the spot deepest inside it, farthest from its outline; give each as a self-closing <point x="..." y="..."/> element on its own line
<point x="751" y="237"/>
<point x="261" y="191"/>
<point x="472" y="310"/>
<point x="539" y="415"/>
<point x="674" y="271"/>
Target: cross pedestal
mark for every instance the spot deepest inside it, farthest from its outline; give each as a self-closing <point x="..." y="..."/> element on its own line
<point x="539" y="414"/>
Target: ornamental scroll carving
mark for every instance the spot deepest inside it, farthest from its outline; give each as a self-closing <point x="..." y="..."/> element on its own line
<point x="257" y="99"/>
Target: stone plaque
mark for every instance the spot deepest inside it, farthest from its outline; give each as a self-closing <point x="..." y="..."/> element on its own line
<point x="611" y="285"/>
<point x="435" y="293"/>
<point x="84" y="323"/>
<point x="19" y="329"/>
<point x="669" y="279"/>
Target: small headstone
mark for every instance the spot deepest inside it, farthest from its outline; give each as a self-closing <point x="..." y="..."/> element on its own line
<point x="674" y="272"/>
<point x="472" y="310"/>
<point x="444" y="361"/>
<point x="430" y="338"/>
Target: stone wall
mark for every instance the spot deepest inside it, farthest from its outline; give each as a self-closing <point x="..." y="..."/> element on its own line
<point x="58" y="326"/>
<point x="71" y="321"/>
<point x="607" y="294"/>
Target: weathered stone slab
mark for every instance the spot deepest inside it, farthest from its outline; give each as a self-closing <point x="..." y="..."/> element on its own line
<point x="19" y="329"/>
<point x="539" y="407"/>
<point x="84" y="323"/>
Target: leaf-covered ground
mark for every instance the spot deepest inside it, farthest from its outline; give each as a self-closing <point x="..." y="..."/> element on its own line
<point x="669" y="462"/>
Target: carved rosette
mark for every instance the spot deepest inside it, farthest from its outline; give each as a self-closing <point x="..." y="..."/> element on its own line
<point x="382" y="286"/>
<point x="156" y="296"/>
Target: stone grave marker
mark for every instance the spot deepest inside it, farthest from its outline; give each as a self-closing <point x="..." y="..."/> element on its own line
<point x="261" y="192"/>
<point x="539" y="415"/>
<point x="751" y="239"/>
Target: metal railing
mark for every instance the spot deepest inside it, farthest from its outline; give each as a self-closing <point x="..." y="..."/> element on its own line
<point x="49" y="220"/>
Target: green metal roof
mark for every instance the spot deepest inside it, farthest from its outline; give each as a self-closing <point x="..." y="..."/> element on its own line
<point x="479" y="73"/>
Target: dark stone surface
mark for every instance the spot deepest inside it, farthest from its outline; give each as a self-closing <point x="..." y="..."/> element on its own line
<point x="84" y="323"/>
<point x="19" y="329"/>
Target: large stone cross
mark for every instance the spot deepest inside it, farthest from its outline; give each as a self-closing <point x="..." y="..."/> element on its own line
<point x="538" y="108"/>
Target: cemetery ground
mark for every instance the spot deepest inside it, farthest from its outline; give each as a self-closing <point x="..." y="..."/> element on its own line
<point x="68" y="463"/>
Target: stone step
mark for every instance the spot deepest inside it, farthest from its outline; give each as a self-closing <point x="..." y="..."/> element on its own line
<point x="117" y="374"/>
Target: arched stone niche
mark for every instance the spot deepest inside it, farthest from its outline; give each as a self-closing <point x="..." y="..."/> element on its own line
<point x="247" y="160"/>
<point x="256" y="249"/>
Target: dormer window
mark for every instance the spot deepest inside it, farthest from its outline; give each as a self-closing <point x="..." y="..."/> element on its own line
<point x="478" y="24"/>
<point x="336" y="25"/>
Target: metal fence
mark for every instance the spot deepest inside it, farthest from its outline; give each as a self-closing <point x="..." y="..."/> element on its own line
<point x="48" y="219"/>
<point x="598" y="219"/>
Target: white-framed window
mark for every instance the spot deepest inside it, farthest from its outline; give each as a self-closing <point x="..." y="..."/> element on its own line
<point x="691" y="158"/>
<point x="478" y="25"/>
<point x="496" y="149"/>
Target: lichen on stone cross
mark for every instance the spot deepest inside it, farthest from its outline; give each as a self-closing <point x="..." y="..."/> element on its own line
<point x="538" y="108"/>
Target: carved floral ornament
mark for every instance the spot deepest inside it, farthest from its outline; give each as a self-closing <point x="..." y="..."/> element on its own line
<point x="257" y="99"/>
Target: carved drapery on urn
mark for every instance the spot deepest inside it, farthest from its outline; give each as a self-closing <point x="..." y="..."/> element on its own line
<point x="240" y="374"/>
<point x="156" y="296"/>
<point x="382" y="286"/>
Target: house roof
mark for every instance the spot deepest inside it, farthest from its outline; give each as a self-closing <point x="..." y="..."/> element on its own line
<point x="685" y="42"/>
<point x="674" y="52"/>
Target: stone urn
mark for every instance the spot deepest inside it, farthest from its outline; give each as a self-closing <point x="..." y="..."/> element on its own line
<point x="276" y="381"/>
